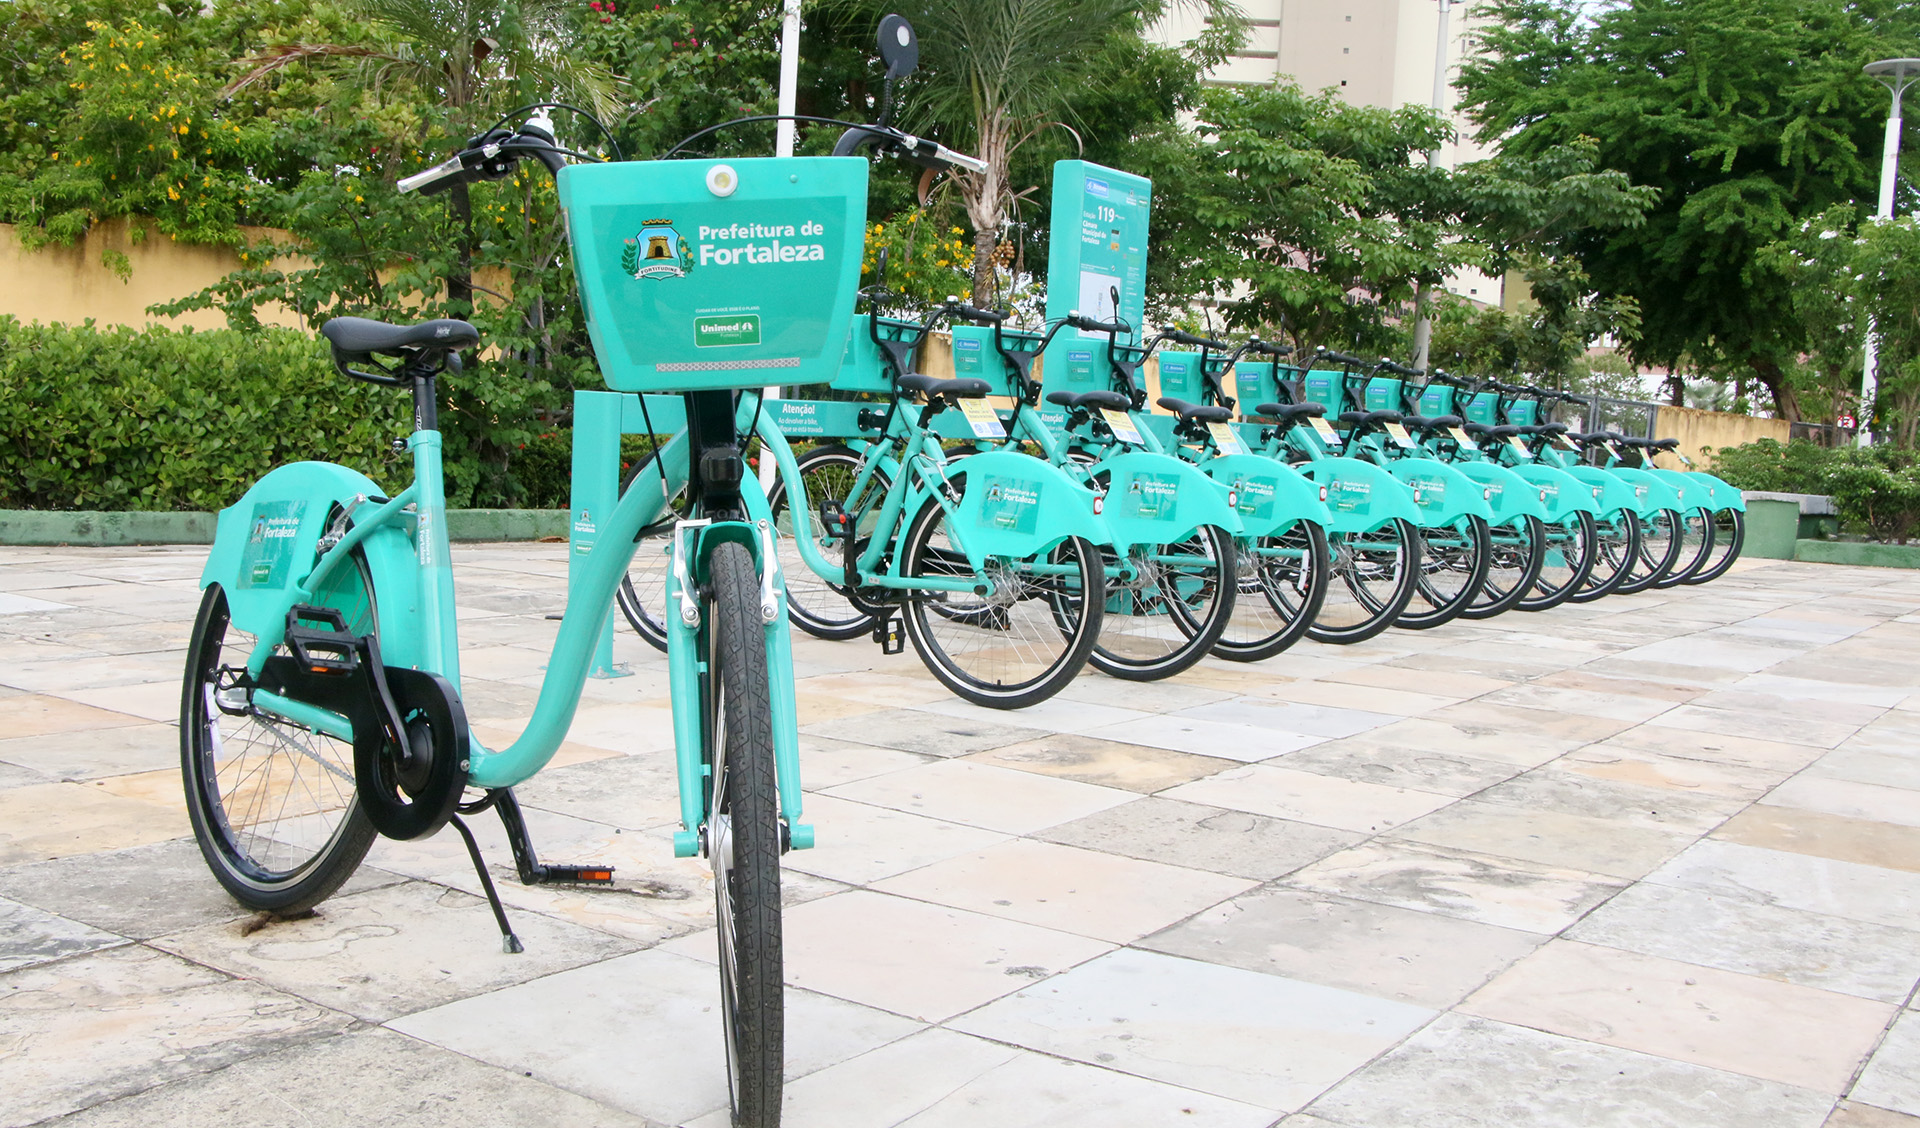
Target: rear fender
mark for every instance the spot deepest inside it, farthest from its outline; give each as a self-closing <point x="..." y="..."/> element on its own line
<point x="1653" y="492"/>
<point x="1610" y="495"/>
<point x="1511" y="498"/>
<point x="1442" y="492"/>
<point x="264" y="547"/>
<point x="1014" y="505"/>
<point x="1269" y="495"/>
<point x="1360" y="496"/>
<point x="1562" y="494"/>
<point x="1159" y="499"/>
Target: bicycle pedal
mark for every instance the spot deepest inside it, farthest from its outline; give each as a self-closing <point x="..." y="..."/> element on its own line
<point x="550" y="874"/>
<point x="891" y="633"/>
<point x="331" y="649"/>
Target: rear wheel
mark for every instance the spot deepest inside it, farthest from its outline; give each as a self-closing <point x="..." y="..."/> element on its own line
<point x="642" y="593"/>
<point x="743" y="838"/>
<point x="273" y="804"/>
<point x="1572" y="547"/>
<point x="1514" y="567"/>
<point x="1729" y="536"/>
<point x="1022" y="641"/>
<point x="1371" y="581"/>
<point x="1453" y="566"/>
<point x="1170" y="610"/>
<point x="1695" y="533"/>
<point x="1660" y="544"/>
<point x="817" y="605"/>
<point x="1616" y="548"/>
<point x="1283" y="581"/>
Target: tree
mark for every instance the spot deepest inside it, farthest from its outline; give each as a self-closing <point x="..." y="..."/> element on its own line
<point x="1747" y="116"/>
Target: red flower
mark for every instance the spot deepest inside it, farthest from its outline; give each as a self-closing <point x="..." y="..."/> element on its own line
<point x="595" y="5"/>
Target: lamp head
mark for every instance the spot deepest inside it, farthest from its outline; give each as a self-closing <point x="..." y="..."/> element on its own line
<point x="1897" y="74"/>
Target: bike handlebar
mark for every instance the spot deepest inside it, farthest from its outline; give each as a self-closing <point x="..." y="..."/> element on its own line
<point x="1081" y="321"/>
<point x="957" y="308"/>
<point x="491" y="156"/>
<point x="920" y="150"/>
<point x="1181" y="337"/>
<point x="1400" y="369"/>
<point x="1347" y="359"/>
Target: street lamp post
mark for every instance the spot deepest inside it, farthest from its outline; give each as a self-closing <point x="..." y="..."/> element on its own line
<point x="1897" y="75"/>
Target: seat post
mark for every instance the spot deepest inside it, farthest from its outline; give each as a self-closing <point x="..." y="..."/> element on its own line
<point x="426" y="408"/>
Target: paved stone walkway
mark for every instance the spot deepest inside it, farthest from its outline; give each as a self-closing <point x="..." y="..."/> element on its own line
<point x="1649" y="862"/>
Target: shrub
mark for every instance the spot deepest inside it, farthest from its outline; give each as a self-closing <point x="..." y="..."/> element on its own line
<point x="1876" y="489"/>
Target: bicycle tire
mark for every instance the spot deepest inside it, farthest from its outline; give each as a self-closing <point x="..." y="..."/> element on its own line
<point x="1453" y="568"/>
<point x="815" y="604"/>
<point x="1016" y="646"/>
<point x="1278" y="595"/>
<point x="1371" y="582"/>
<point x="1659" y="549"/>
<point x="1513" y="567"/>
<point x="241" y="769"/>
<point x="642" y="594"/>
<point x="1616" y="545"/>
<point x="1696" y="547"/>
<point x="1571" y="548"/>
<point x="744" y="839"/>
<point x="1171" y="615"/>
<point x="1729" y="537"/>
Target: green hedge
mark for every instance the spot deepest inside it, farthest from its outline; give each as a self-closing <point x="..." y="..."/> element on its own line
<point x="1877" y="489"/>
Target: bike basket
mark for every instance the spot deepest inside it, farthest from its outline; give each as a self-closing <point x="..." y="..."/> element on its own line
<point x="1180" y="375"/>
<point x="709" y="274"/>
<point x="863" y="368"/>
<point x="975" y="356"/>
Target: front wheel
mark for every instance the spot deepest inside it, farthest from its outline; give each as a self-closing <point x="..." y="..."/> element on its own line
<point x="1695" y="534"/>
<point x="1373" y="575"/>
<point x="743" y="838"/>
<point x="1167" y="605"/>
<point x="1616" y="549"/>
<point x="1023" y="639"/>
<point x="1660" y="544"/>
<point x="1571" y="549"/>
<point x="1283" y="582"/>
<point x="1519" y="555"/>
<point x="1453" y="566"/>
<point x="1729" y="536"/>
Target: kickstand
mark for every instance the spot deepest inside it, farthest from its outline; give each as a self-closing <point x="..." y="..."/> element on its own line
<point x="532" y="870"/>
<point x="509" y="943"/>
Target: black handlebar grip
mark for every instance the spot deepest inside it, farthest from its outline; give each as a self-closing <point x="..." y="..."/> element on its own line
<point x="1400" y="369"/>
<point x="1081" y="321"/>
<point x="1181" y="337"/>
<point x="1342" y="358"/>
<point x="969" y="313"/>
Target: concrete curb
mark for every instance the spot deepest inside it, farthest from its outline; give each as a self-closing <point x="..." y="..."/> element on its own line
<point x="113" y="529"/>
<point x="1858" y="553"/>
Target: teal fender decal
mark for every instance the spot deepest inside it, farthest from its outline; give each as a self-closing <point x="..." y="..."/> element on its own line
<point x="1016" y="506"/>
<point x="1443" y="493"/>
<point x="264" y="546"/>
<point x="1512" y="498"/>
<point x="1654" y="492"/>
<point x="1360" y="496"/>
<point x="1560" y="492"/>
<point x="1269" y="495"/>
<point x="1158" y="499"/>
<point x="1610" y="494"/>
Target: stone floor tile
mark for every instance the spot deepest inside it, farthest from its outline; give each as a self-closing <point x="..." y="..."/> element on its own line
<point x="1578" y="842"/>
<point x="1825" y="665"/>
<point x="393" y="950"/>
<point x="1848" y="1114"/>
<point x="1463" y="1072"/>
<point x="58" y="676"/>
<point x="1873" y="961"/>
<point x="1456" y="883"/>
<point x="913" y="730"/>
<point x="1686" y="1012"/>
<point x="1585" y="702"/>
<point x="1107" y="763"/>
<point x="636" y="731"/>
<point x="641" y="1033"/>
<point x="39" y="715"/>
<point x="825" y="762"/>
<point x="100" y="1026"/>
<point x="92" y="753"/>
<point x="1036" y="1091"/>
<point x="1245" y="743"/>
<point x="1368" y="698"/>
<point x="1798" y="881"/>
<point x="1870" y="801"/>
<point x="141" y="891"/>
<point x="1392" y="953"/>
<point x="859" y="842"/>
<point x="1892" y="1078"/>
<point x="1289" y="717"/>
<point x="1368" y="759"/>
<point x="1171" y="693"/>
<point x="151" y="701"/>
<point x="1474" y="739"/>
<point x="1324" y="800"/>
<point x="29" y="936"/>
<point x="634" y="792"/>
<point x="1555" y="788"/>
<point x="1717" y="748"/>
<point x="924" y="961"/>
<point x="1200" y="837"/>
<point x="812" y="707"/>
<point x="975" y="794"/>
<point x="1427" y="678"/>
<point x="1763" y="726"/>
<point x="1611" y="760"/>
<point x="1763" y="702"/>
<point x="874" y="688"/>
<point x="1519" y="724"/>
<point x="1062" y="887"/>
<point x="1593" y="681"/>
<point x="1829" y="836"/>
<point x="56" y="820"/>
<point x="1861" y="765"/>
<point x="1260" y="1039"/>
<point x="12" y="775"/>
<point x="1746" y="657"/>
<point x="1052" y="714"/>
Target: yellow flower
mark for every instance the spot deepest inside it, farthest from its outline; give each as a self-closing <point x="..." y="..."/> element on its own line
<point x="957" y="231"/>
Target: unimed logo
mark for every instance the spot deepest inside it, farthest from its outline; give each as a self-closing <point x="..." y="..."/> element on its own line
<point x="732" y="329"/>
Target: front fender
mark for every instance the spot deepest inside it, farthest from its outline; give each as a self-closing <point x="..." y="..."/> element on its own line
<point x="1561" y="493"/>
<point x="1512" y="498"/>
<point x="264" y="548"/>
<point x="1159" y="499"/>
<point x="1442" y="492"/>
<point x="1701" y="490"/>
<point x="1361" y="497"/>
<point x="1654" y="493"/>
<point x="1269" y="495"/>
<point x="1016" y="506"/>
<point x="1611" y="495"/>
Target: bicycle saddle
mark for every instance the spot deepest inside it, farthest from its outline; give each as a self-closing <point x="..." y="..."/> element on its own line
<point x="362" y="335"/>
<point x="1553" y="428"/>
<point x="1093" y="399"/>
<point x="1666" y="444"/>
<point x="1502" y="431"/>
<point x="1203" y="412"/>
<point x="1475" y="428"/>
<point x="1291" y="411"/>
<point x="1424" y="423"/>
<point x="1368" y="417"/>
<point x="966" y="387"/>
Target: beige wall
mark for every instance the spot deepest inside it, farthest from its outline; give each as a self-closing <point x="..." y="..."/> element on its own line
<point x="70" y="284"/>
<point x="1698" y="430"/>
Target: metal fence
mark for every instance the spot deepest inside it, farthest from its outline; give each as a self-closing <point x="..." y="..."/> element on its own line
<point x="1822" y="434"/>
<point x="1628" y="417"/>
